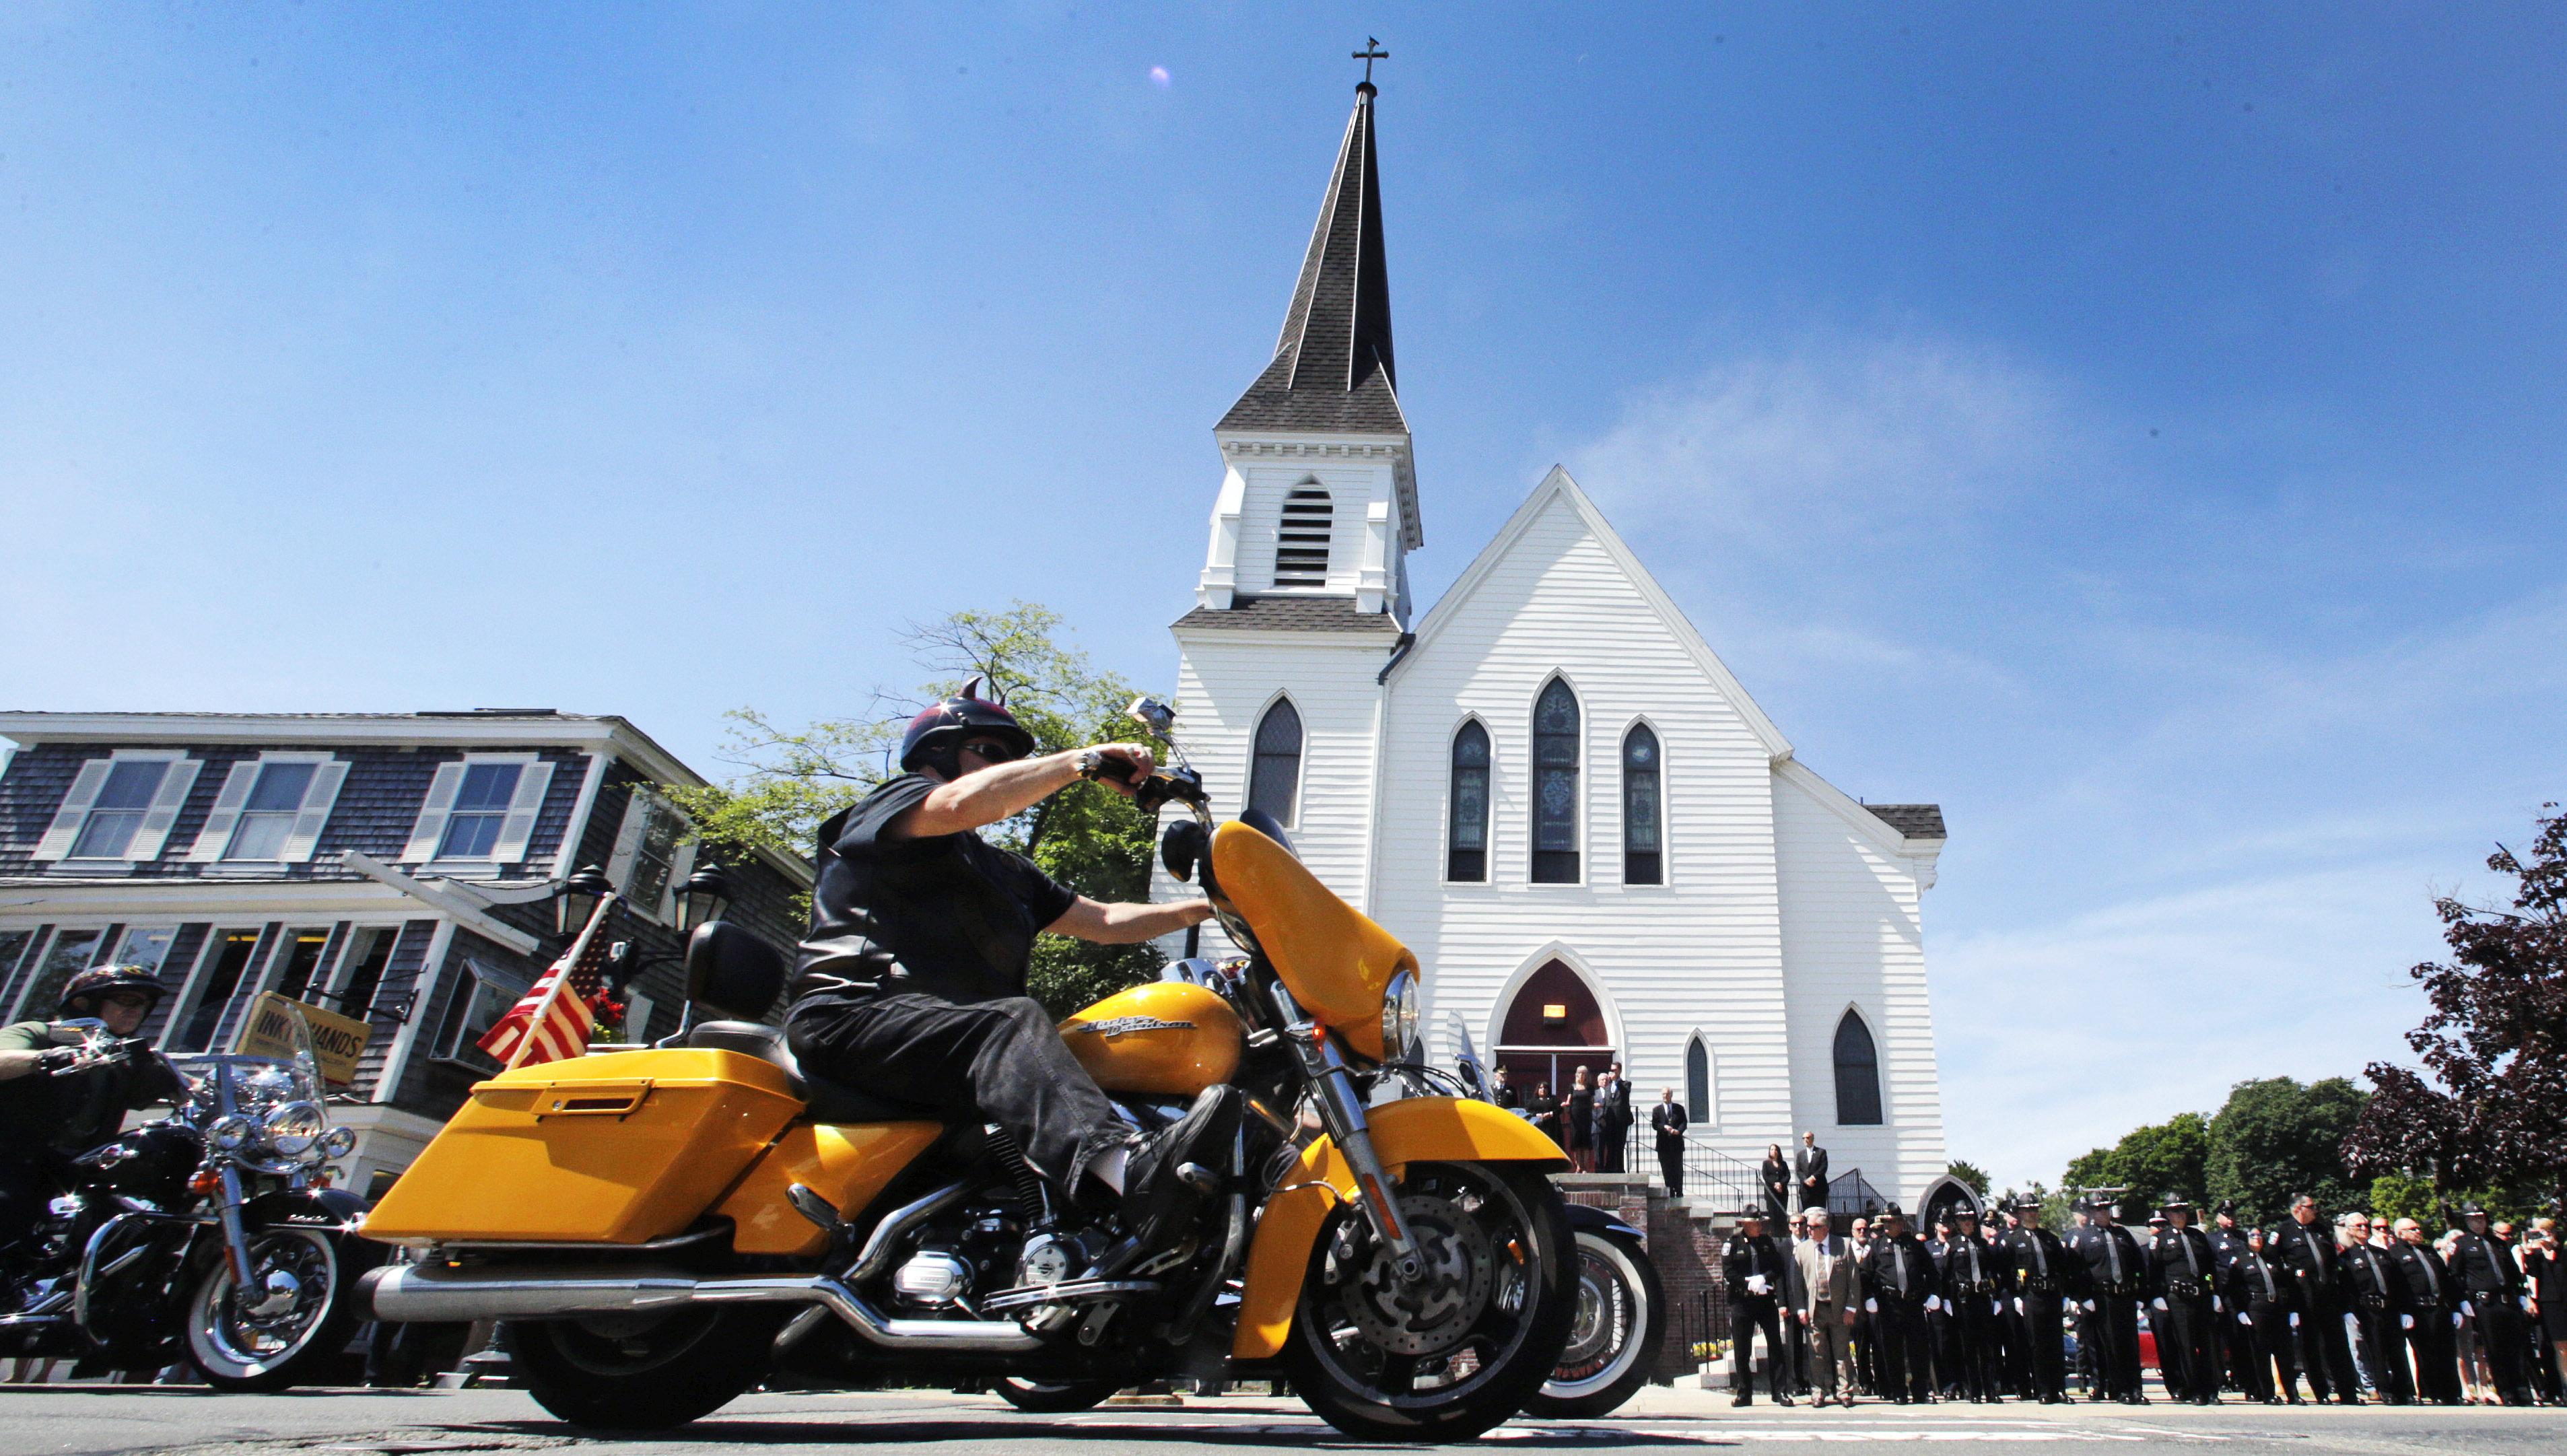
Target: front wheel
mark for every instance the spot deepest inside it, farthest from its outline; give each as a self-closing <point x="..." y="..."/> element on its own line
<point x="1613" y="1341"/>
<point x="293" y="1320"/>
<point x="1463" y="1346"/>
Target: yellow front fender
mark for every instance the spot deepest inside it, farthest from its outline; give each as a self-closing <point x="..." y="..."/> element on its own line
<point x="1414" y="1129"/>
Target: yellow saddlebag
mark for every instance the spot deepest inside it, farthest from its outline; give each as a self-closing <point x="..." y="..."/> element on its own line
<point x="619" y="1148"/>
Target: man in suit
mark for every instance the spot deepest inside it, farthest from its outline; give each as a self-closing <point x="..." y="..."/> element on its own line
<point x="1612" y="1120"/>
<point x="1809" y="1172"/>
<point x="1668" y="1121"/>
<point x="2382" y="1307"/>
<point x="2306" y="1247"/>
<point x="2492" y="1284"/>
<point x="1759" y="1287"/>
<point x="2433" y="1312"/>
<point x="2263" y="1299"/>
<point x="1828" y="1292"/>
<point x="1898" y="1291"/>
<point x="2046" y="1277"/>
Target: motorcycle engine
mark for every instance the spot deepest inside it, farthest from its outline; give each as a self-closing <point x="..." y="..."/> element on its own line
<point x="932" y="1277"/>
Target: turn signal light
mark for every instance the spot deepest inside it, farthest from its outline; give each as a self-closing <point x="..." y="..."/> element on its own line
<point x="207" y="1182"/>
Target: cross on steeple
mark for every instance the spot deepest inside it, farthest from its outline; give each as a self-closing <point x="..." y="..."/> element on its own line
<point x="1371" y="52"/>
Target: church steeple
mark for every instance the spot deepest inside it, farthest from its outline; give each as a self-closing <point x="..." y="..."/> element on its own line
<point x="1333" y="371"/>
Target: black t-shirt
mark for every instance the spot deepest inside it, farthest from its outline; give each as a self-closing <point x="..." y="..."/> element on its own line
<point x="959" y="915"/>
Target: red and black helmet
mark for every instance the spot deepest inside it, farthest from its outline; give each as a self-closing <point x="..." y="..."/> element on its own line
<point x="107" y="981"/>
<point x="938" y="732"/>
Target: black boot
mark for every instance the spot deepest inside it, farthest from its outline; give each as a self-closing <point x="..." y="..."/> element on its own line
<point x="1156" y="1192"/>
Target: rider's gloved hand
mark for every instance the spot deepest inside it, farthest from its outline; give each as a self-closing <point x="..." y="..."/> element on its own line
<point x="57" y="1058"/>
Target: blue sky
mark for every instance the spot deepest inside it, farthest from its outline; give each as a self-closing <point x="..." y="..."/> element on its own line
<point x="2138" y="428"/>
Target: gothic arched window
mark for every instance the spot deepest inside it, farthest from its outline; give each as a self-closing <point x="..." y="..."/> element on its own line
<point x="1643" y="830"/>
<point x="1466" y="853"/>
<point x="1554" y="785"/>
<point x="1301" y="544"/>
<point x="1697" y="1081"/>
<point x="1858" y="1073"/>
<point x="1275" y="777"/>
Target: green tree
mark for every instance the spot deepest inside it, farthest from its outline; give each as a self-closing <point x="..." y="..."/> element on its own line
<point x="1086" y="837"/>
<point x="2275" y="1139"/>
<point x="2164" y="1157"/>
<point x="1972" y="1176"/>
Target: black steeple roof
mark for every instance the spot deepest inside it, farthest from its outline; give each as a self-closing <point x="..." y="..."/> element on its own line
<point x="1333" y="370"/>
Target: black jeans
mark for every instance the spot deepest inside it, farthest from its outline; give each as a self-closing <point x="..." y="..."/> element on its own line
<point x="999" y="1059"/>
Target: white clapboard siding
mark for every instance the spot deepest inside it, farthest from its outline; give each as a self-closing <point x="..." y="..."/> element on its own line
<point x="429" y="830"/>
<point x="319" y="796"/>
<point x="1353" y="485"/>
<point x="1852" y="937"/>
<point x="74" y="812"/>
<point x="154" y="833"/>
<point x="519" y="829"/>
<point x="215" y="834"/>
<point x="1701" y="951"/>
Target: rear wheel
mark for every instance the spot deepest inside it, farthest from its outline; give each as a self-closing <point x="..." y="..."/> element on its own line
<point x="1459" y="1349"/>
<point x="1052" y="1397"/>
<point x="1613" y="1339"/>
<point x="642" y="1372"/>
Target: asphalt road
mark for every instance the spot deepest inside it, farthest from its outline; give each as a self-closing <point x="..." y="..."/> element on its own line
<point x="186" y="1423"/>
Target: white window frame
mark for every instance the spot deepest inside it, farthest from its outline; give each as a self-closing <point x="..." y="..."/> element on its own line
<point x="72" y="817"/>
<point x="194" y="983"/>
<point x="464" y="1056"/>
<point x="1623" y="807"/>
<point x="222" y="825"/>
<point x="344" y="964"/>
<point x="428" y="831"/>
<point x="638" y="807"/>
<point x="1301" y="756"/>
<point x="35" y="964"/>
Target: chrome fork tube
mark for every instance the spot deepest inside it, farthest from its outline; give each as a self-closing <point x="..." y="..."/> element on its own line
<point x="1342" y="1109"/>
<point x="235" y="1236"/>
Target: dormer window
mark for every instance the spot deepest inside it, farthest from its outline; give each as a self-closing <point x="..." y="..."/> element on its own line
<point x="1301" y="548"/>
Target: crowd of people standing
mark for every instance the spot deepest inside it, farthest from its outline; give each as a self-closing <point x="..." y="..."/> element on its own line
<point x="1591" y="1118"/>
<point x="2346" y="1305"/>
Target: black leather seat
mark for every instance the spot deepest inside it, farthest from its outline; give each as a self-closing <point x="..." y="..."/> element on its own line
<point x="827" y="1100"/>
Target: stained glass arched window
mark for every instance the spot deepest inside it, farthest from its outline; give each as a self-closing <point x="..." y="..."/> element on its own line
<point x="1274" y="779"/>
<point x="1858" y="1073"/>
<point x="1466" y="853"/>
<point x="1554" y="785"/>
<point x="1697" y="1081"/>
<point x="1643" y="824"/>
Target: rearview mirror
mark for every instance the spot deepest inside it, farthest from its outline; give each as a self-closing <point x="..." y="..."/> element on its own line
<point x="1151" y="713"/>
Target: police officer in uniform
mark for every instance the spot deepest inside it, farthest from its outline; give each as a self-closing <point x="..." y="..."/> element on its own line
<point x="2045" y="1279"/>
<point x="1969" y="1270"/>
<point x="2263" y="1300"/>
<point x="2117" y="1279"/>
<point x="2236" y="1341"/>
<point x="1753" y="1268"/>
<point x="2183" y="1282"/>
<point x="1898" y="1288"/>
<point x="2306" y="1247"/>
<point x="2492" y="1287"/>
<point x="2377" y="1294"/>
<point x="2434" y="1299"/>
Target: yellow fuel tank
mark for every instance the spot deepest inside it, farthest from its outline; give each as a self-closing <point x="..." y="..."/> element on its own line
<point x="1168" y="1038"/>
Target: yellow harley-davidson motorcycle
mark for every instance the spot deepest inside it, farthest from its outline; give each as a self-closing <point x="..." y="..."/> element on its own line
<point x="662" y="1228"/>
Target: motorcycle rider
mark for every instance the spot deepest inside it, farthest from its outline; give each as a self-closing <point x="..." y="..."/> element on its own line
<point x="56" y="1100"/>
<point x="911" y="984"/>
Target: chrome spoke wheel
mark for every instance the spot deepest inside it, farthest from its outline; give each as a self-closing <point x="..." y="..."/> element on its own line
<point x="242" y="1332"/>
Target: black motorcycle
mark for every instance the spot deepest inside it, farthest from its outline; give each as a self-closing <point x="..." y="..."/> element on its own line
<point x="203" y="1236"/>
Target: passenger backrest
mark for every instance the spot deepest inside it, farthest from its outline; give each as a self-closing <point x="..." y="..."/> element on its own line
<point x="732" y="972"/>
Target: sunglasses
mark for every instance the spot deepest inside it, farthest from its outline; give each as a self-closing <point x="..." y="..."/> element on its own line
<point x="127" y="999"/>
<point x="993" y="752"/>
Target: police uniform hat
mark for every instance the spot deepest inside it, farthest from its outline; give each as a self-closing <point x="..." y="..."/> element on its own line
<point x="2226" y="1206"/>
<point x="2472" y="1211"/>
<point x="2025" y="1201"/>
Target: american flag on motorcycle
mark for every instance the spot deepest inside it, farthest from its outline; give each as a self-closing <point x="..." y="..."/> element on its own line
<point x="557" y="1025"/>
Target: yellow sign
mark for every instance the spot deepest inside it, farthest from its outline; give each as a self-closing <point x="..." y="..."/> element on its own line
<point x="336" y="1041"/>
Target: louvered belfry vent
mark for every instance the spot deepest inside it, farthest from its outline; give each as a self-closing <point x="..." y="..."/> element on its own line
<point x="1302" y="551"/>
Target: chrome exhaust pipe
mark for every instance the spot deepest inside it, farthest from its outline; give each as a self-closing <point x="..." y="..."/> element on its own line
<point x="411" y="1291"/>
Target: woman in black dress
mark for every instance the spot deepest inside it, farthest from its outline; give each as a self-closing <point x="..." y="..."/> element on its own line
<point x="1544" y="1109"/>
<point x="1579" y="1113"/>
<point x="1777" y="1177"/>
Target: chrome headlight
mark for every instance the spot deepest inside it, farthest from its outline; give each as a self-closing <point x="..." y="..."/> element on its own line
<point x="338" y="1142"/>
<point x="1400" y="1010"/>
<point x="229" y="1133"/>
<point x="294" y="1128"/>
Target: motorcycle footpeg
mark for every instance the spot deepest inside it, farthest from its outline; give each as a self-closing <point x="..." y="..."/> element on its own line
<point x="810" y="1205"/>
<point x="1201" y="1179"/>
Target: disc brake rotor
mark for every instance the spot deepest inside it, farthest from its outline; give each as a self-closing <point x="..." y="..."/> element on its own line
<point x="1433" y="1315"/>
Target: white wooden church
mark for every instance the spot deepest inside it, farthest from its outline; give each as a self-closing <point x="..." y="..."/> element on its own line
<point x="1548" y="785"/>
